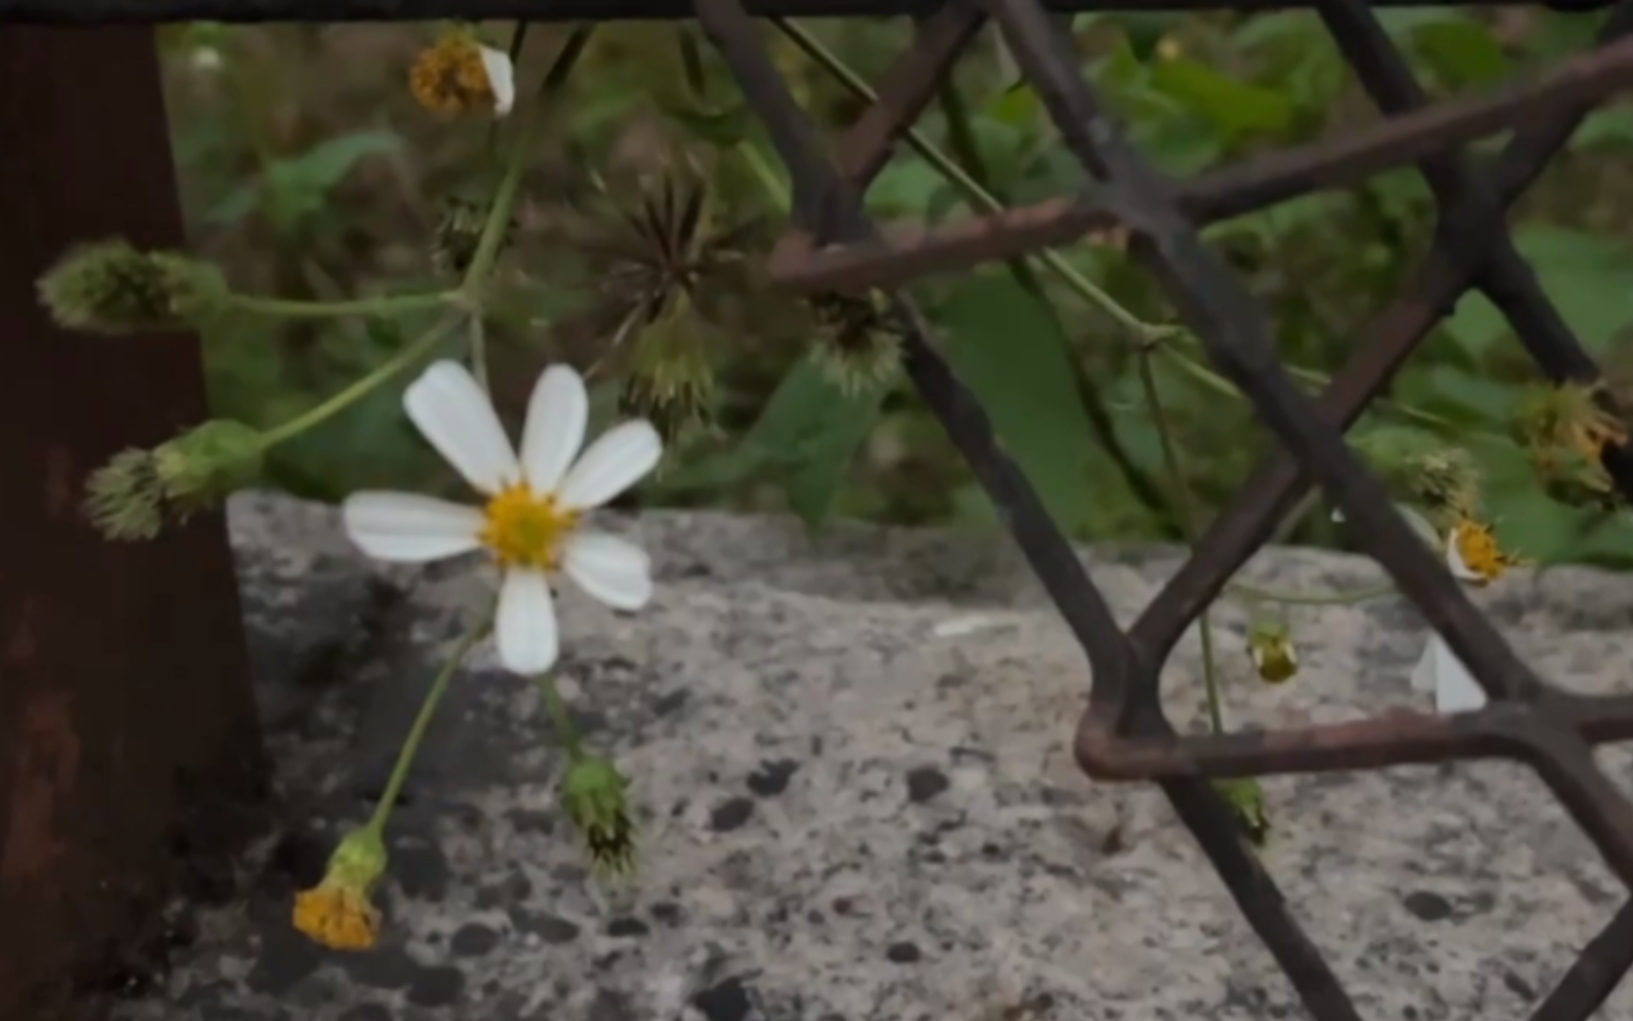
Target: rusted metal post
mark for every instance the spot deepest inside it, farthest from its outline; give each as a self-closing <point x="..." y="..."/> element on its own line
<point x="127" y="721"/>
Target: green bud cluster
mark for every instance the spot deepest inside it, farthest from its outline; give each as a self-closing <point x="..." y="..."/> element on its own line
<point x="113" y="288"/>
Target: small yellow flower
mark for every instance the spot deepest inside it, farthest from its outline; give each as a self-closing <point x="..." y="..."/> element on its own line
<point x="1272" y="651"/>
<point x="457" y="75"/>
<point x="1474" y="555"/>
<point x="337" y="912"/>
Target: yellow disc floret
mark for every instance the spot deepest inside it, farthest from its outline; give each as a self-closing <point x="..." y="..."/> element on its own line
<point x="525" y="529"/>
<point x="450" y="78"/>
<point x="1476" y="548"/>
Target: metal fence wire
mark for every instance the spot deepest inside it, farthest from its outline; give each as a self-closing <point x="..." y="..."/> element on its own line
<point x="1125" y="734"/>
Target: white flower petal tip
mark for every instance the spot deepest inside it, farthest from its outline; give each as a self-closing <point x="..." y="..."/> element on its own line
<point x="610" y="570"/>
<point x="558" y="413"/>
<point x="525" y="627"/>
<point x="501" y="79"/>
<point x="1455" y="689"/>
<point x="448" y="407"/>
<point x="620" y="458"/>
<point x="408" y="528"/>
<point x="1455" y="563"/>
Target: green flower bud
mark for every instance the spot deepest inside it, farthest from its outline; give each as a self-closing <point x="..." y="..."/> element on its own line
<point x="1270" y="646"/>
<point x="138" y="492"/>
<point x="110" y="287"/>
<point x="1246" y="800"/>
<point x="595" y="798"/>
<point x="670" y="382"/>
<point x="858" y="343"/>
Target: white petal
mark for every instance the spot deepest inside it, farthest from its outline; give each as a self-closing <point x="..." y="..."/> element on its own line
<point x="614" y="571"/>
<point x="1423" y="675"/>
<point x="409" y="528"/>
<point x="1454" y="560"/>
<point x="450" y="410"/>
<point x="1456" y="690"/>
<point x="557" y="415"/>
<point x="613" y="463"/>
<point x="526" y="623"/>
<point x="501" y="78"/>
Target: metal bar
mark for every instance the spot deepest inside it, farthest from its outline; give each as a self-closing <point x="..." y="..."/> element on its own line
<point x="1343" y="160"/>
<point x="1380" y="347"/>
<point x="1505" y="279"/>
<point x="903" y="93"/>
<point x="81" y="12"/>
<point x="128" y="741"/>
<point x="1049" y="554"/>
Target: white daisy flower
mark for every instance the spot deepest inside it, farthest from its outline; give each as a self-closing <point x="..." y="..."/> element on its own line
<point x="531" y="522"/>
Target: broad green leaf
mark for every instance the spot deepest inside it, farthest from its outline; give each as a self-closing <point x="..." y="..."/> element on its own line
<point x="1606" y="127"/>
<point x="1461" y="51"/>
<point x="1476" y="324"/>
<point x="724" y="127"/>
<point x="1586" y="275"/>
<point x="1008" y="348"/>
<point x="291" y="189"/>
<point x="813" y="431"/>
<point x="1237" y="108"/>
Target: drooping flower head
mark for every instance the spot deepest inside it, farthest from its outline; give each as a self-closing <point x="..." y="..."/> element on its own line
<point x="532" y="520"/>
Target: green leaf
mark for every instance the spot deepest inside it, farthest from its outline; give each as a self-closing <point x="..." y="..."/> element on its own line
<point x="1461" y="51"/>
<point x="1008" y="348"/>
<point x="1587" y="277"/>
<point x="1607" y="127"/>
<point x="292" y="189"/>
<point x="1237" y="108"/>
<point x="724" y="128"/>
<point x="813" y="430"/>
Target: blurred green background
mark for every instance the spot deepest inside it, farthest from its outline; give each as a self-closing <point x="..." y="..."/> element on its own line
<point x="308" y="171"/>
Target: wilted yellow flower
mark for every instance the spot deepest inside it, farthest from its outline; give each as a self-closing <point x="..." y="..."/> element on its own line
<point x="1271" y="649"/>
<point x="1474" y="555"/>
<point x="457" y="75"/>
<point x="338" y="912"/>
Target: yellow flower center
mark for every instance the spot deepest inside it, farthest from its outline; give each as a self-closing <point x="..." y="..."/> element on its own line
<point x="1478" y="549"/>
<point x="449" y="77"/>
<point x="525" y="529"/>
<point x="337" y="916"/>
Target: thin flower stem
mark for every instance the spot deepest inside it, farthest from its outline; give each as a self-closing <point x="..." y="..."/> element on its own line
<point x="775" y="186"/>
<point x="362" y="387"/>
<point x="479" y="351"/>
<point x="380" y="307"/>
<point x="1185" y="509"/>
<point x="1349" y="598"/>
<point x="504" y="196"/>
<point x="422" y="721"/>
<point x="566" y="729"/>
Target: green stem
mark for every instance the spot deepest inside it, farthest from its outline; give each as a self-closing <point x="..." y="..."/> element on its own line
<point x="1310" y="599"/>
<point x="422" y="721"/>
<point x="566" y="729"/>
<point x="775" y="187"/>
<point x="1186" y="509"/>
<point x="479" y="350"/>
<point x="360" y="389"/>
<point x="386" y="305"/>
<point x="504" y="197"/>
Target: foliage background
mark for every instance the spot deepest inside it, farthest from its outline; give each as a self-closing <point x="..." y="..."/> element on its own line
<point x="307" y="171"/>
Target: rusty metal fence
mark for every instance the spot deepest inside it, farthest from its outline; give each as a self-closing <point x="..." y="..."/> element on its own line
<point x="1125" y="734"/>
